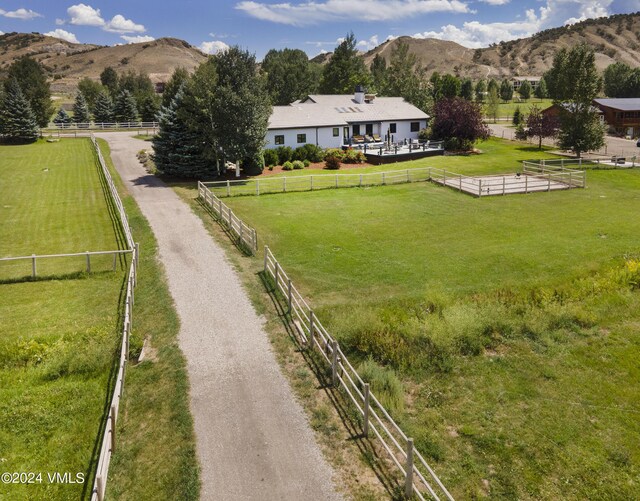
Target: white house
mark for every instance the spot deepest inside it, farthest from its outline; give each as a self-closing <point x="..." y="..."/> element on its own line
<point x="331" y="121"/>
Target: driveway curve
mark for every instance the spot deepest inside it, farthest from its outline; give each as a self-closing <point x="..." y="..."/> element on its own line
<point x="253" y="440"/>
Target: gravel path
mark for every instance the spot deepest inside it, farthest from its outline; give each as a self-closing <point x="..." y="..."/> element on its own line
<point x="253" y="439"/>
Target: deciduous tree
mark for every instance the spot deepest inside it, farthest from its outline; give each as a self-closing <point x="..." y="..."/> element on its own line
<point x="541" y="90"/>
<point x="178" y="78"/>
<point x="459" y="123"/>
<point x="288" y="75"/>
<point x="109" y="78"/>
<point x="506" y="90"/>
<point x="345" y="70"/>
<point x="466" y="89"/>
<point x="379" y="72"/>
<point x="540" y="125"/>
<point x="449" y="86"/>
<point x="525" y="90"/>
<point x="481" y="89"/>
<point x="90" y="90"/>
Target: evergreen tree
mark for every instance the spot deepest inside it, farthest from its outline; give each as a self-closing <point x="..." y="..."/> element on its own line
<point x="31" y="78"/>
<point x="401" y="76"/>
<point x="466" y="89"/>
<point x="90" y="90"/>
<point x="517" y="116"/>
<point x="481" y="88"/>
<point x="288" y="75"/>
<point x="180" y="76"/>
<point x="345" y="70"/>
<point x="379" y="72"/>
<point x="103" y="109"/>
<point x="81" y="113"/>
<point x="18" y="120"/>
<point x="177" y="147"/>
<point x="435" y="80"/>
<point x="506" y="90"/>
<point x="541" y="90"/>
<point x="241" y="108"/>
<point x="493" y="84"/>
<point x="149" y="109"/>
<point x="525" y="90"/>
<point x="125" y="109"/>
<point x="109" y="78"/>
<point x="62" y="118"/>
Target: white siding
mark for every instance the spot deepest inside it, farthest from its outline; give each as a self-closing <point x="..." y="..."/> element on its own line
<point x="323" y="135"/>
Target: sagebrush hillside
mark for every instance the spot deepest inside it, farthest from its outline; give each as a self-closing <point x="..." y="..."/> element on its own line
<point x="67" y="63"/>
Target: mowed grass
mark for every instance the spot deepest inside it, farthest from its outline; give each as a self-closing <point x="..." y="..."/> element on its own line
<point x="508" y="109"/>
<point x="58" y="335"/>
<point x="52" y="202"/>
<point x="512" y="321"/>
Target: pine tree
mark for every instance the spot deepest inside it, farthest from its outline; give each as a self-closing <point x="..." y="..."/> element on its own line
<point x="18" y="120"/>
<point x="345" y="70"/>
<point x="481" y="88"/>
<point x="62" y="118"/>
<point x="541" y="90"/>
<point x="517" y="116"/>
<point x="35" y="88"/>
<point x="506" y="90"/>
<point x="379" y="72"/>
<point x="81" y="113"/>
<point x="179" y="77"/>
<point x="149" y="108"/>
<point x="103" y="109"/>
<point x="177" y="147"/>
<point x="125" y="109"/>
<point x="525" y="90"/>
<point x="466" y="89"/>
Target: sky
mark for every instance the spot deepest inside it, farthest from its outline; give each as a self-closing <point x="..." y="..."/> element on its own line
<point x="314" y="26"/>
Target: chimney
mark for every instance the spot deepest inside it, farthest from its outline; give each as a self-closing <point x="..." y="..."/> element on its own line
<point x="359" y="96"/>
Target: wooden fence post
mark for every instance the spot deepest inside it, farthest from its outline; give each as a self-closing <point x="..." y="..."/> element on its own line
<point x="334" y="362"/>
<point x="276" y="273"/>
<point x="33" y="265"/>
<point x="228" y="188"/>
<point x="408" y="479"/>
<point x="365" y="425"/>
<point x="266" y="250"/>
<point x="289" y="295"/>
<point x="257" y="187"/>
<point x="113" y="427"/>
<point x="311" y="330"/>
<point x="99" y="487"/>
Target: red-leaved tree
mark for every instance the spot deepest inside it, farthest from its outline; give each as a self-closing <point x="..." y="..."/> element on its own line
<point x="459" y="123"/>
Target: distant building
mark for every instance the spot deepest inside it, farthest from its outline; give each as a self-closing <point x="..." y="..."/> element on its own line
<point x="554" y="110"/>
<point x="621" y="114"/>
<point x="533" y="81"/>
<point x="331" y="121"/>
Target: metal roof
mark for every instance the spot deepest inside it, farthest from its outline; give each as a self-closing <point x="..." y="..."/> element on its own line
<point x="341" y="110"/>
<point x="621" y="103"/>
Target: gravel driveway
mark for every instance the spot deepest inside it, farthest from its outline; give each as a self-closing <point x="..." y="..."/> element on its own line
<point x="253" y="439"/>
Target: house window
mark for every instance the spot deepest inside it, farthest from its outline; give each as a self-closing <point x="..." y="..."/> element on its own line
<point x="356" y="130"/>
<point x="279" y="139"/>
<point x="302" y="138"/>
<point x="415" y="126"/>
<point x="369" y="129"/>
<point x="392" y="128"/>
<point x="336" y="131"/>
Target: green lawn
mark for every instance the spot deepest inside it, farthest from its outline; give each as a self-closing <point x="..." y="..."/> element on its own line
<point x="507" y="109"/>
<point x="513" y="321"/>
<point x="59" y="335"/>
<point x="53" y="202"/>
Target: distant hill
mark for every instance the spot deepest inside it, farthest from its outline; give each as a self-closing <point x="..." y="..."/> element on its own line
<point x="67" y="63"/>
<point x="614" y="38"/>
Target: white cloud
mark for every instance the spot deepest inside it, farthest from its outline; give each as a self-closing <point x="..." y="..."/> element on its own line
<point x="24" y="14"/>
<point x="553" y="13"/>
<point x="496" y="2"/>
<point x="369" y="44"/>
<point x="63" y="35"/>
<point x="121" y="25"/>
<point x="213" y="47"/>
<point x="137" y="38"/>
<point x="313" y="12"/>
<point x="85" y="15"/>
<point x="1" y="32"/>
<point x="60" y="22"/>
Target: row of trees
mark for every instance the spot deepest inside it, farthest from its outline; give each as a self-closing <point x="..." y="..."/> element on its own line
<point x="219" y="113"/>
<point x="620" y="80"/>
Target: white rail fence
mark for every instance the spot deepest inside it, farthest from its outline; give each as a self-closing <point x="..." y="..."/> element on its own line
<point x="285" y="184"/>
<point x="556" y="170"/>
<point x="419" y="478"/>
<point x="246" y="235"/>
<point x="109" y="436"/>
<point x="102" y="125"/>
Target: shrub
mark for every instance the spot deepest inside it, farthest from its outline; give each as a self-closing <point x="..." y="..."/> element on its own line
<point x="313" y="153"/>
<point x="306" y="163"/>
<point x="331" y="162"/>
<point x="424" y="134"/>
<point x="270" y="157"/>
<point x="298" y="164"/>
<point x="284" y="154"/>
<point x="333" y="152"/>
<point x="287" y="166"/>
<point x="299" y="154"/>
<point x="352" y="156"/>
